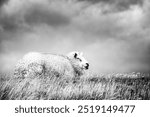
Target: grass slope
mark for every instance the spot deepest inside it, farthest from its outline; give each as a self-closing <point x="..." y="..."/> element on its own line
<point x="134" y="86"/>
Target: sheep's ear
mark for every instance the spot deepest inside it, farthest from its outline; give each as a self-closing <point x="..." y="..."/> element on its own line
<point x="81" y="53"/>
<point x="75" y="55"/>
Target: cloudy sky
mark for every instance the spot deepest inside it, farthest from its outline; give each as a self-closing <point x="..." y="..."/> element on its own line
<point x="113" y="34"/>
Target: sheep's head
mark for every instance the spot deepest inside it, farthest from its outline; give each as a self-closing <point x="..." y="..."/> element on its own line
<point x="78" y="60"/>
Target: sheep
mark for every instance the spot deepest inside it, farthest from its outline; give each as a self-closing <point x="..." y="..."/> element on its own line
<point x="36" y="64"/>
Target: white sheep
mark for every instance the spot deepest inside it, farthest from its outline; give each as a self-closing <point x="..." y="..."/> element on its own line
<point x="35" y="63"/>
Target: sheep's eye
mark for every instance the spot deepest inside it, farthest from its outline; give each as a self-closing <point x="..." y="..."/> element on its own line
<point x="79" y="59"/>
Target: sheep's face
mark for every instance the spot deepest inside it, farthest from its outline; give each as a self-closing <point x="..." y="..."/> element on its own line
<point x="78" y="60"/>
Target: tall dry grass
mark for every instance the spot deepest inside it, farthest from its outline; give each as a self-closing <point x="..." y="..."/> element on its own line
<point x="134" y="86"/>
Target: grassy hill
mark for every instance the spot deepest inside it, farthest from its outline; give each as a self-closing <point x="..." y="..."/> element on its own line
<point x="134" y="86"/>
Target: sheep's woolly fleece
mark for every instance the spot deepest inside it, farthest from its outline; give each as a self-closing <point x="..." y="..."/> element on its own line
<point x="34" y="63"/>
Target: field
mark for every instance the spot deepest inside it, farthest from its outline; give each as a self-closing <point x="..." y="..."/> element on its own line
<point x="133" y="86"/>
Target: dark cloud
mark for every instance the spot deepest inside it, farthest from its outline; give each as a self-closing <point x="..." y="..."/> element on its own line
<point x="121" y="2"/>
<point x="97" y="1"/>
<point x="9" y="23"/>
<point x="16" y="21"/>
<point x="2" y="2"/>
<point x="125" y="4"/>
<point x="39" y="14"/>
<point x="34" y="14"/>
<point x="119" y="5"/>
